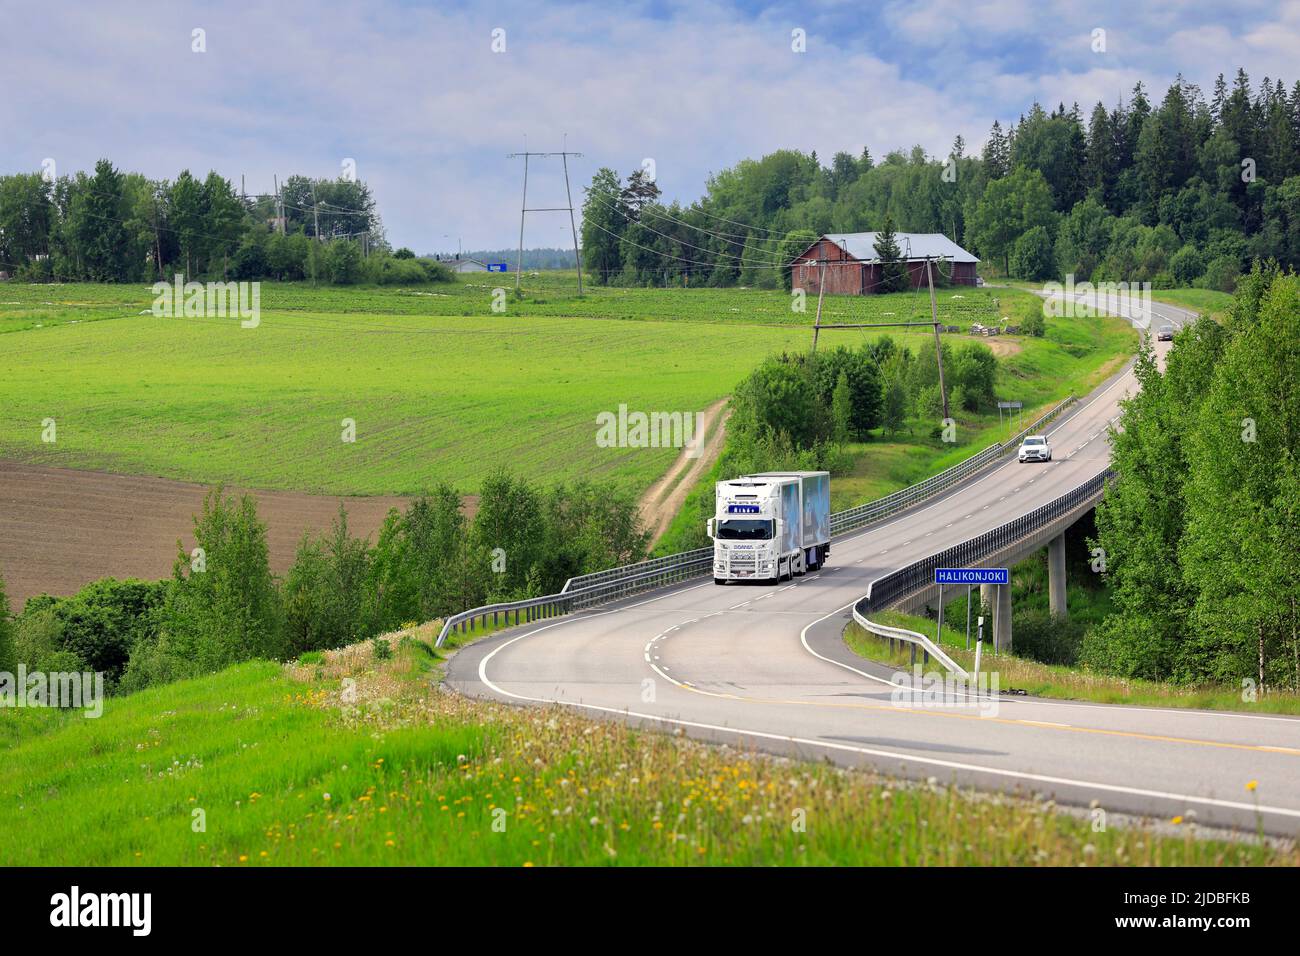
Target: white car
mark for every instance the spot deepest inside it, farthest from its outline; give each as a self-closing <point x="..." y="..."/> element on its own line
<point x="1034" y="448"/>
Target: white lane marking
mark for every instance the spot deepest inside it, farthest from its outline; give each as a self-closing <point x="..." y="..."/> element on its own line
<point x="1043" y="701"/>
<point x="905" y="758"/>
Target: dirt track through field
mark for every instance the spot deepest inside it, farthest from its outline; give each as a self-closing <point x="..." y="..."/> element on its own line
<point x="61" y="528"/>
<point x="662" y="500"/>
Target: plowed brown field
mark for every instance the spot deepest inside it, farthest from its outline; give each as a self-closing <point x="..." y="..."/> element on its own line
<point x="61" y="528"/>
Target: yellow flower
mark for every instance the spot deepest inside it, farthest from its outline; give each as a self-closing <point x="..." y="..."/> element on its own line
<point x="1176" y="820"/>
<point x="1252" y="785"/>
<point x="243" y="859"/>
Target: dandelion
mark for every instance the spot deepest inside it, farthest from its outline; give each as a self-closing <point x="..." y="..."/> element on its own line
<point x="1252" y="785"/>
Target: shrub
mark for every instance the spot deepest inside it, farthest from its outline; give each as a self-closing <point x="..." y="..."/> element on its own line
<point x="101" y="622"/>
<point x="1044" y="637"/>
<point x="324" y="592"/>
<point x="222" y="611"/>
<point x="1187" y="265"/>
<point x="1221" y="274"/>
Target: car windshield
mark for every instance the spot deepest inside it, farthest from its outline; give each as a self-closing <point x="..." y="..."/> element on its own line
<point x="745" y="529"/>
<point x="1035" y="441"/>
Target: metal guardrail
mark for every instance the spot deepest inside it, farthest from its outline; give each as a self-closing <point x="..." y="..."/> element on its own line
<point x="896" y="585"/>
<point x="873" y="511"/>
<point x="587" y="590"/>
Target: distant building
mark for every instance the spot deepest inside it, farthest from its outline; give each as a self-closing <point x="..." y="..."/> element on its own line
<point x="853" y="268"/>
<point x="466" y="264"/>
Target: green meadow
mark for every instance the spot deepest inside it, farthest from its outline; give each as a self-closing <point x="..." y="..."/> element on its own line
<point x="265" y="764"/>
<point x="440" y="386"/>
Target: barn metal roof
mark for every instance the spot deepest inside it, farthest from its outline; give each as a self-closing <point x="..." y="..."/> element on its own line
<point x="914" y="245"/>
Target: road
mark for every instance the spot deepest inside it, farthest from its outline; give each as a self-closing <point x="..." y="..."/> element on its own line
<point x="765" y="667"/>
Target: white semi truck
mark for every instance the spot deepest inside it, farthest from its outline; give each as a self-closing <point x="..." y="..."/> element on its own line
<point x="771" y="526"/>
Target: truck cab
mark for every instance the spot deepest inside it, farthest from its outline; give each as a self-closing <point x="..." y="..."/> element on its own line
<point x="771" y="526"/>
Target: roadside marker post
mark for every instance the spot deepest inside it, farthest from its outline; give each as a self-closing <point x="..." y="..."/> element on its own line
<point x="979" y="645"/>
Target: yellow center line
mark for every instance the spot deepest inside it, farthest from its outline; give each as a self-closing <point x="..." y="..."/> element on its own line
<point x="1045" y="725"/>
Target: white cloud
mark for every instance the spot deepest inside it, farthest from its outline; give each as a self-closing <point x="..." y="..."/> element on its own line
<point x="416" y="96"/>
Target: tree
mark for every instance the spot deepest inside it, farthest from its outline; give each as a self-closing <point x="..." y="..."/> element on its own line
<point x="99" y="231"/>
<point x="1242" y="544"/>
<point x="1083" y="238"/>
<point x="895" y="407"/>
<point x="996" y="155"/>
<point x="26" y="216"/>
<point x="603" y="222"/>
<point x="639" y="192"/>
<point x="324" y="593"/>
<point x="186" y="217"/>
<point x="1032" y="256"/>
<point x="1010" y="207"/>
<point x="841" y="410"/>
<point x="221" y="606"/>
<point x="893" y="268"/>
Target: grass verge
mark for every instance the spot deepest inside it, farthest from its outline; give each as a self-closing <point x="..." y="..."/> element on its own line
<point x="348" y="759"/>
<point x="1059" y="682"/>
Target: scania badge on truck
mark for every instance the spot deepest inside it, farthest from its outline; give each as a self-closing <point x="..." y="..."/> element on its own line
<point x="771" y="526"/>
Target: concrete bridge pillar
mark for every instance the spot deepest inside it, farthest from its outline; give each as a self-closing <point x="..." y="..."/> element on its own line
<point x="997" y="598"/>
<point x="1002" y="618"/>
<point x="1056" y="575"/>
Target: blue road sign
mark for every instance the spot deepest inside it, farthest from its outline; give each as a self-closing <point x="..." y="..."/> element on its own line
<point x="971" y="576"/>
<point x="497" y="267"/>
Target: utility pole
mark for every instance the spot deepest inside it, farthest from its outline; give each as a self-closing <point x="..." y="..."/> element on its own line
<point x="938" y="348"/>
<point x="524" y="210"/>
<point x="315" y="211"/>
<point x="577" y="259"/>
<point x="821" y="291"/>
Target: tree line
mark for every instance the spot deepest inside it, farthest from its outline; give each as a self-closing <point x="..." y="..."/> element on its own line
<point x="1186" y="191"/>
<point x="800" y="411"/>
<point x="114" y="226"/>
<point x="1200" y="531"/>
<point x="223" y="605"/>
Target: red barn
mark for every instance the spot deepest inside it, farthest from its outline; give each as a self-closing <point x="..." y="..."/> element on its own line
<point x="853" y="268"/>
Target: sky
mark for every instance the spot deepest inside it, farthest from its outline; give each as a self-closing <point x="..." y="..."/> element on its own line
<point x="428" y="99"/>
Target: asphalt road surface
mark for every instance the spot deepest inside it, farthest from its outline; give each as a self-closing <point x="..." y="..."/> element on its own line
<point x="765" y="667"/>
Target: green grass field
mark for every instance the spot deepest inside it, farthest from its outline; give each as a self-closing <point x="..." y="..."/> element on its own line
<point x="263" y="764"/>
<point x="440" y="386"/>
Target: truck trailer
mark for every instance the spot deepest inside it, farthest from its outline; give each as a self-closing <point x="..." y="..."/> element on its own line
<point x="771" y="526"/>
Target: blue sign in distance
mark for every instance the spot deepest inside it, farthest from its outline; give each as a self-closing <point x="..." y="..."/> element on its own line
<point x="971" y="576"/>
<point x="496" y="267"/>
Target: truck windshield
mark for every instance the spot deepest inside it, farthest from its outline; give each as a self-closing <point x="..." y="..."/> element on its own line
<point x="745" y="529"/>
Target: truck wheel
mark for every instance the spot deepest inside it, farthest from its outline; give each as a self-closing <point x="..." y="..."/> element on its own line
<point x="719" y="581"/>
